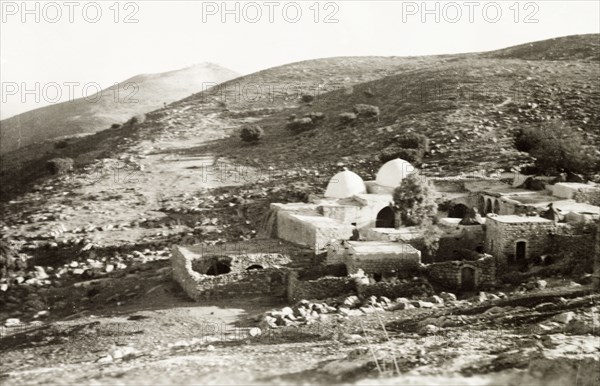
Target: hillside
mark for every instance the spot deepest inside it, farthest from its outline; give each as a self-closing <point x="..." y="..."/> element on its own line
<point x="115" y="104"/>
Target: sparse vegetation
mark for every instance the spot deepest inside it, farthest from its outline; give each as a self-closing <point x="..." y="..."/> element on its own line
<point x="301" y="125"/>
<point x="60" y="166"/>
<point x="556" y="148"/>
<point x="251" y="134"/>
<point x="414" y="156"/>
<point x="308" y="98"/>
<point x="115" y="125"/>
<point x="347" y="118"/>
<point x="315" y="116"/>
<point x="410" y="147"/>
<point x="366" y="111"/>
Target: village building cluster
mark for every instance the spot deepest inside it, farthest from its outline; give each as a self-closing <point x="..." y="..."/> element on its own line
<point x="317" y="248"/>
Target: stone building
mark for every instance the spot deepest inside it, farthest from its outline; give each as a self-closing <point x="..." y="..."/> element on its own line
<point x="518" y="238"/>
<point x="375" y="257"/>
<point x="349" y="205"/>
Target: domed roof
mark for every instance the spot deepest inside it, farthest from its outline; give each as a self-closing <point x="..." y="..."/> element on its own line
<point x="345" y="184"/>
<point x="393" y="172"/>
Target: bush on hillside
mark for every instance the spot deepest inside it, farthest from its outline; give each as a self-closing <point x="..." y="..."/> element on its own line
<point x="300" y="125"/>
<point x="556" y="148"/>
<point x="115" y="126"/>
<point x="61" y="144"/>
<point x="59" y="166"/>
<point x="315" y="116"/>
<point x="412" y="141"/>
<point x="251" y="134"/>
<point x="307" y="98"/>
<point x="366" y="111"/>
<point x="414" y="156"/>
<point x="347" y="118"/>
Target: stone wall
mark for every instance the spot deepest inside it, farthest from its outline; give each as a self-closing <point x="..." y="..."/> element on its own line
<point x="450" y="273"/>
<point x="270" y="281"/>
<point x="310" y="229"/>
<point x="405" y="263"/>
<point x="395" y="290"/>
<point x="501" y="237"/>
<point x="462" y="237"/>
<point x="322" y="288"/>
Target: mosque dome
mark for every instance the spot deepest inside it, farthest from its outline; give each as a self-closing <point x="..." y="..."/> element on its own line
<point x="345" y="184"/>
<point x="393" y="172"/>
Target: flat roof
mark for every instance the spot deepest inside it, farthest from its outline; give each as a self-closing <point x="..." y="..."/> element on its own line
<point x="366" y="247"/>
<point x="514" y="219"/>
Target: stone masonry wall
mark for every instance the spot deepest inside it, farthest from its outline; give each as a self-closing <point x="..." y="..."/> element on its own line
<point x="449" y="273"/>
<point x="197" y="286"/>
<point x="408" y="263"/>
<point x="325" y="287"/>
<point x="501" y="238"/>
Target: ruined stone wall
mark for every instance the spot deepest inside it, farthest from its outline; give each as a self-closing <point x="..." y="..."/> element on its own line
<point x="501" y="238"/>
<point x="395" y="290"/>
<point x="462" y="238"/>
<point x="322" y="288"/>
<point x="271" y="281"/>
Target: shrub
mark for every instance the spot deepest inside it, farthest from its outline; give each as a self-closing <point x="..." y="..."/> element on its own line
<point x="347" y="118"/>
<point x="366" y="111"/>
<point x="307" y="98"/>
<point x="414" y="156"/>
<point x="315" y="116"/>
<point x="412" y="141"/>
<point x="301" y="125"/>
<point x="556" y="148"/>
<point x="414" y="199"/>
<point x="60" y="166"/>
<point x="61" y="144"/>
<point x="115" y="125"/>
<point x="140" y="118"/>
<point x="251" y="133"/>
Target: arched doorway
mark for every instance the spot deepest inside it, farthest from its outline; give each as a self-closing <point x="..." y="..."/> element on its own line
<point x="497" y="207"/>
<point x="520" y="250"/>
<point x="218" y="268"/>
<point x="458" y="211"/>
<point x="481" y="205"/>
<point x="488" y="206"/>
<point x="467" y="278"/>
<point x="254" y="266"/>
<point x="385" y="218"/>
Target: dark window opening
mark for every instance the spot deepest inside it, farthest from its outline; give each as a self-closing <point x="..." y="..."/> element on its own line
<point x="254" y="266"/>
<point x="218" y="268"/>
<point x="385" y="218"/>
<point x="458" y="211"/>
<point x="521" y="250"/>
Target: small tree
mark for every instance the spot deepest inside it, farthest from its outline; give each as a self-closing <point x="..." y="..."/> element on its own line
<point x="414" y="200"/>
<point x="251" y="133"/>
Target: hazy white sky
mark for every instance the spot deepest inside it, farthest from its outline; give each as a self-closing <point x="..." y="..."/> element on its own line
<point x="173" y="34"/>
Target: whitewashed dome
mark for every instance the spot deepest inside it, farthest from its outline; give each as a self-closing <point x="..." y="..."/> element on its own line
<point x="345" y="184"/>
<point x="393" y="172"/>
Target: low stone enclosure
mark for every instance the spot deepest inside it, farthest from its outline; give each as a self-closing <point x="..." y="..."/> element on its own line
<point x="209" y="272"/>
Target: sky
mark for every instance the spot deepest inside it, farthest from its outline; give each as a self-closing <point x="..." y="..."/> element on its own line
<point x="104" y="42"/>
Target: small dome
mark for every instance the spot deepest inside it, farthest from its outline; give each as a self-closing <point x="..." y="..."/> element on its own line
<point x="345" y="184"/>
<point x="393" y="172"/>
